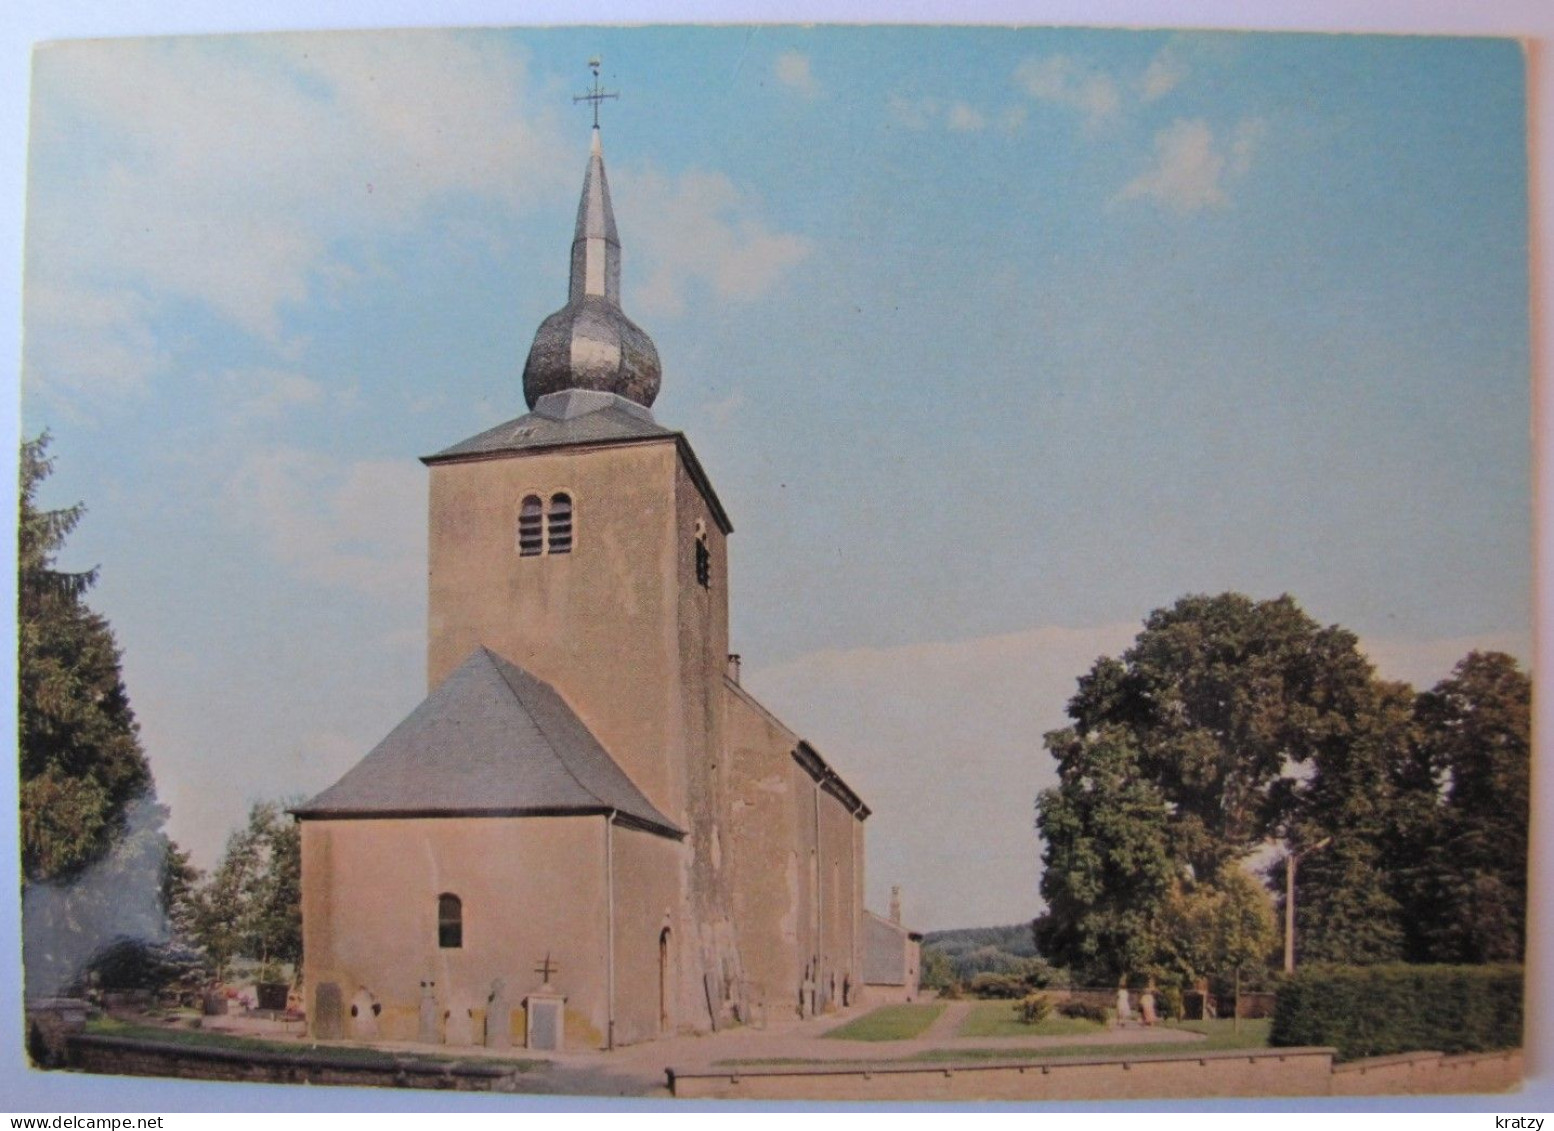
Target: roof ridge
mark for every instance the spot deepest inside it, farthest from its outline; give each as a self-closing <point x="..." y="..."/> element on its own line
<point x="499" y="663"/>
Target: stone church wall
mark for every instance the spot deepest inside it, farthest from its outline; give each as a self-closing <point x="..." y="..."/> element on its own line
<point x="599" y="624"/>
<point x="798" y="869"/>
<point x="528" y="887"/>
<point x="770" y="876"/>
<point x="702" y="624"/>
<point x="656" y="991"/>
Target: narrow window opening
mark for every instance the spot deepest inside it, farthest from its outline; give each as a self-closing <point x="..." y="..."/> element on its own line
<point x="530" y="527"/>
<point x="560" y="540"/>
<point x="450" y="922"/>
<point x="703" y="564"/>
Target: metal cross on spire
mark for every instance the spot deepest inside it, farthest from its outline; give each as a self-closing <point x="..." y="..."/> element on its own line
<point x="598" y="94"/>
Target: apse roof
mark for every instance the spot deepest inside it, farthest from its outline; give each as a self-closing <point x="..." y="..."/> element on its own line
<point x="492" y="740"/>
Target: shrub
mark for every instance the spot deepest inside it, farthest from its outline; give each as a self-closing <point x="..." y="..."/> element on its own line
<point x="1002" y="986"/>
<point x="1034" y="1008"/>
<point x="1170" y="1002"/>
<point x="135" y="964"/>
<point x="1379" y="1010"/>
<point x="1084" y="1010"/>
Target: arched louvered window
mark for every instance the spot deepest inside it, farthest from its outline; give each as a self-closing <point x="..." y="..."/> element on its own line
<point x="531" y="529"/>
<point x="450" y="921"/>
<point x="559" y="533"/>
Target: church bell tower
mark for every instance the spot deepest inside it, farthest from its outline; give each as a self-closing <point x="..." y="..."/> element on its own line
<point x="583" y="541"/>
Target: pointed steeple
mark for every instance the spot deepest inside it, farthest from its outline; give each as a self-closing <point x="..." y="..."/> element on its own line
<point x="590" y="343"/>
<point x="596" y="246"/>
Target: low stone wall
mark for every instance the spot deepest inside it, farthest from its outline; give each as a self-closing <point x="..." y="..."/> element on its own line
<point x="1282" y="1072"/>
<point x="1426" y="1073"/>
<point x="1271" y="1072"/>
<point x="132" y="1056"/>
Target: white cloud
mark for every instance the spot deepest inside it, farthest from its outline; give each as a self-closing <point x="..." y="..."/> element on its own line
<point x="93" y="343"/>
<point x="1192" y="168"/>
<point x="1187" y="172"/>
<point x="1165" y="73"/>
<point x="700" y="229"/>
<point x="793" y="71"/>
<point x="961" y="117"/>
<point x="360" y="525"/>
<point x="268" y="393"/>
<point x="964" y="118"/>
<point x="1065" y="81"/>
<point x="232" y="171"/>
<point x="947" y="736"/>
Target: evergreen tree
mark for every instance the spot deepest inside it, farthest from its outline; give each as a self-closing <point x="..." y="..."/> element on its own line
<point x="98" y="873"/>
<point x="1474" y="733"/>
<point x="80" y="758"/>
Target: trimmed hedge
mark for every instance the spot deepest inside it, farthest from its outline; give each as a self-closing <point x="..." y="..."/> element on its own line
<point x="1378" y="1010"/>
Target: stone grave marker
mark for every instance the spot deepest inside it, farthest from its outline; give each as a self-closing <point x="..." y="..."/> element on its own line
<point x="328" y="1012"/>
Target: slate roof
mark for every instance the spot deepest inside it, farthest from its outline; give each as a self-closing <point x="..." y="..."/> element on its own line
<point x="580" y="417"/>
<point x="492" y="740"/>
<point x="576" y="416"/>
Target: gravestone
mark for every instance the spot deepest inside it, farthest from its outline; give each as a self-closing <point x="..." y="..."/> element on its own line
<point x="428" y="1031"/>
<point x="499" y="1017"/>
<point x="328" y="1012"/>
<point x="459" y="1023"/>
<point x="547" y="1019"/>
<point x="364" y="1015"/>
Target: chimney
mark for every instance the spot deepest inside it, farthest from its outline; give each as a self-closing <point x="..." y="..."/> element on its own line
<point x="895" y="904"/>
<point x="733" y="668"/>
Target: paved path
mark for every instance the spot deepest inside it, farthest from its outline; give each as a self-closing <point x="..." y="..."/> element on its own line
<point x="948" y="1023"/>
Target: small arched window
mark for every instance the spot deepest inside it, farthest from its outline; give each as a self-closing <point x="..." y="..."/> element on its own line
<point x="531" y="532"/>
<point x="450" y="922"/>
<point x="559" y="540"/>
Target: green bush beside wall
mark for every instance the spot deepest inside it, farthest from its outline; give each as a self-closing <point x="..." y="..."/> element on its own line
<point x="1377" y="1010"/>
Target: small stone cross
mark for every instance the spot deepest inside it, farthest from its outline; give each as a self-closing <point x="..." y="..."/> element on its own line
<point x="547" y="968"/>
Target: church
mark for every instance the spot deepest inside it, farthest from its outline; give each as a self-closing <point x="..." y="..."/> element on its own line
<point x="589" y="833"/>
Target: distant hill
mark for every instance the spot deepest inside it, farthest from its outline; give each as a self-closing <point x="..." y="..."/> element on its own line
<point x="983" y="950"/>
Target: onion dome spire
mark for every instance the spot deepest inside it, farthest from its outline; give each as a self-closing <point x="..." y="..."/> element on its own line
<point x="590" y="343"/>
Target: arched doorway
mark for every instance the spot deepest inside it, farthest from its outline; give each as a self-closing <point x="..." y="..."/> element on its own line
<point x="663" y="980"/>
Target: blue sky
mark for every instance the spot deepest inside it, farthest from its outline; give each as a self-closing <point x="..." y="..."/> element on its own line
<point x="991" y="341"/>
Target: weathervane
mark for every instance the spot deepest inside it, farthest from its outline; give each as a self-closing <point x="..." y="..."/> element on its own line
<point x="598" y="94"/>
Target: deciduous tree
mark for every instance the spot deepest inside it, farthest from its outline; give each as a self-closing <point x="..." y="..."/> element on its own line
<point x="1107" y="865"/>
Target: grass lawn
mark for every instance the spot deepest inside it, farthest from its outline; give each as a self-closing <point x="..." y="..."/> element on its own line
<point x="1220" y="1035"/>
<point x="199" y="1038"/>
<point x="889" y="1023"/>
<point x="1002" y="1019"/>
